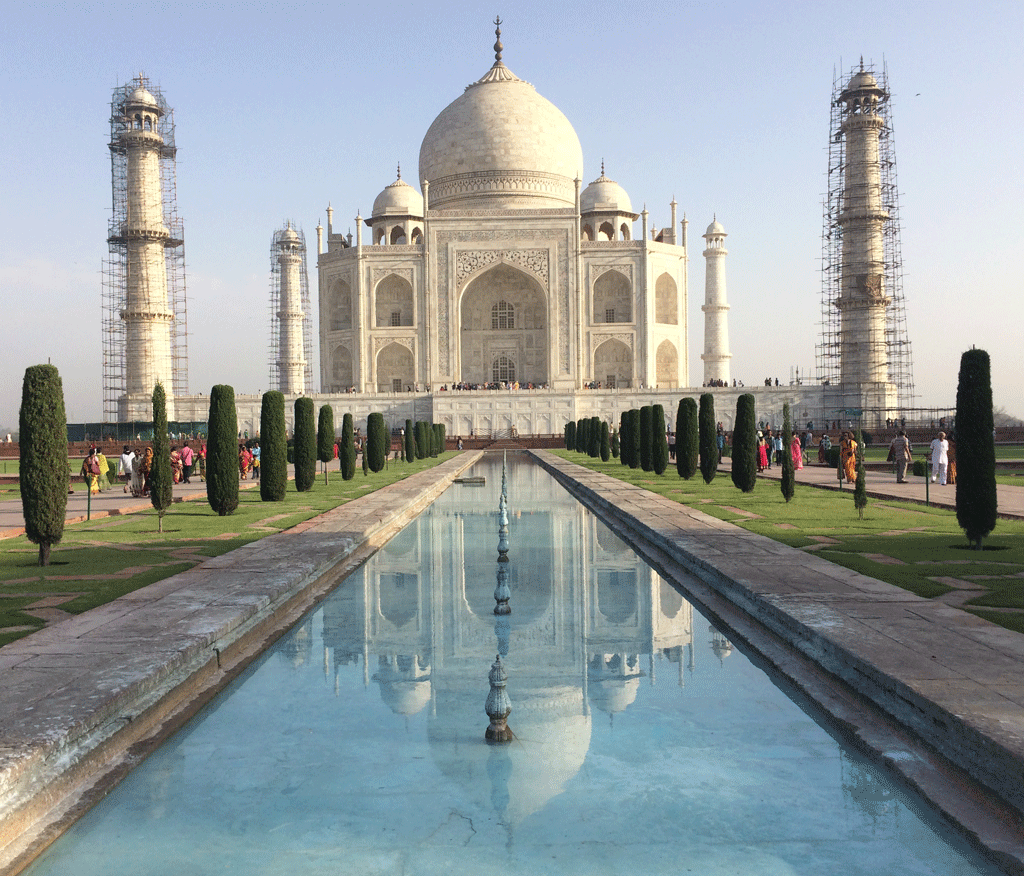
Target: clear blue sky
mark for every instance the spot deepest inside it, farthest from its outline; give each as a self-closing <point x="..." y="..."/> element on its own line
<point x="281" y="109"/>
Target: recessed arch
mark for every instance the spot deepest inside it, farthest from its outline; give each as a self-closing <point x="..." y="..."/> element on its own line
<point x="503" y="312"/>
<point x="395" y="368"/>
<point x="339" y="306"/>
<point x="341" y="369"/>
<point x="606" y="231"/>
<point x="613" y="364"/>
<point x="613" y="298"/>
<point x="392" y="296"/>
<point x="667" y="365"/>
<point x="666" y="301"/>
<point x="397" y="235"/>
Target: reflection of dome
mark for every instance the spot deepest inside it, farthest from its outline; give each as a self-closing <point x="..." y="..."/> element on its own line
<point x="404" y="683"/>
<point x="612" y="684"/>
<point x="502" y="144"/>
<point x="399" y="199"/>
<point x="605" y="195"/>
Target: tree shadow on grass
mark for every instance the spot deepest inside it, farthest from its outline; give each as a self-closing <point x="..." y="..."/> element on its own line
<point x="984" y="547"/>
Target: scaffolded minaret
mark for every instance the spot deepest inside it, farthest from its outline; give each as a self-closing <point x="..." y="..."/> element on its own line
<point x="291" y="338"/>
<point x="144" y="324"/>
<point x="864" y="353"/>
<point x="716" y="353"/>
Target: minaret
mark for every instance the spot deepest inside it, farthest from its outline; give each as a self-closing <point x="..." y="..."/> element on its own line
<point x="716" y="353"/>
<point x="289" y="251"/>
<point x="863" y="297"/>
<point x="148" y="315"/>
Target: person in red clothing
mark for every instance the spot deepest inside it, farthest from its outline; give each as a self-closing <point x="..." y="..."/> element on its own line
<point x="187" y="459"/>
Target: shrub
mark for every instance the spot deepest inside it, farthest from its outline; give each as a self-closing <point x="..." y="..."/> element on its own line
<point x="659" y="441"/>
<point x="376" y="448"/>
<point x="594" y="437"/>
<point x="273" y="448"/>
<point x="615" y="445"/>
<point x="919" y="468"/>
<point x="581" y="436"/>
<point x="442" y="438"/>
<point x="624" y="438"/>
<point x="707" y="437"/>
<point x="975" y="448"/>
<point x="646" y="424"/>
<point x="606" y="450"/>
<point x="422" y="440"/>
<point x="832" y="457"/>
<point x="222" y="451"/>
<point x="43" y="458"/>
<point x="305" y="445"/>
<point x="788" y="481"/>
<point x="161" y="478"/>
<point x="687" y="438"/>
<point x="325" y="437"/>
<point x="744" y="445"/>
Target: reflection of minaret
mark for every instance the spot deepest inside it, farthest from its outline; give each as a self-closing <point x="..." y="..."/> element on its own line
<point x="716" y="353"/>
<point x="140" y="335"/>
<point x="289" y="305"/>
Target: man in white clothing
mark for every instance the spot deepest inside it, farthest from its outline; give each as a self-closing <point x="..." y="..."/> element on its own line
<point x="940" y="458"/>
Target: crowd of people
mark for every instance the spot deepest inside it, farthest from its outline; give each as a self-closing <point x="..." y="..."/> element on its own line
<point x="135" y="468"/>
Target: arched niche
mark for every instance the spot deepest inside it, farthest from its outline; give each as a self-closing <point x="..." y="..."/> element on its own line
<point x="613" y="298"/>
<point x="393" y="302"/>
<point x="341" y="369"/>
<point x="398" y="597"/>
<point x="395" y="368"/>
<point x="617" y="598"/>
<point x="339" y="306"/>
<point x="666" y="301"/>
<point x="504" y="313"/>
<point x="667" y="365"/>
<point x="613" y="364"/>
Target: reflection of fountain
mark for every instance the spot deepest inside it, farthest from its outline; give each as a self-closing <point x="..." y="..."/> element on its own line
<point x="498" y="704"/>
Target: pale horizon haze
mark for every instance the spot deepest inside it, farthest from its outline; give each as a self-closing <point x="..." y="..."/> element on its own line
<point x="282" y="109"/>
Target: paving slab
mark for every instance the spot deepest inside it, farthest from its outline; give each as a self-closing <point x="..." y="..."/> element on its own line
<point x="951" y="679"/>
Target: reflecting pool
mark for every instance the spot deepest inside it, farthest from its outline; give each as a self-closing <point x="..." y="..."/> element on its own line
<point x="644" y="742"/>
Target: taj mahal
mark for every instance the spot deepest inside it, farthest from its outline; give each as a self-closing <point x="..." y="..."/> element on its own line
<point x="504" y="293"/>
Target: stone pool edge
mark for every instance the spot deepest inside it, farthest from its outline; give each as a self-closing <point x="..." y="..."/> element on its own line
<point x="85" y="700"/>
<point x="847" y="625"/>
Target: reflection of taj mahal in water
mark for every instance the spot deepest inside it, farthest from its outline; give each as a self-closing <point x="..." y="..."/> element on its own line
<point x="419" y="617"/>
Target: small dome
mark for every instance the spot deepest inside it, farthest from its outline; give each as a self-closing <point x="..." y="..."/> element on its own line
<point x="290" y="235"/>
<point x="862" y="79"/>
<point x="141" y="97"/>
<point x="398" y="199"/>
<point x="715" y="228"/>
<point x="606" y="196"/>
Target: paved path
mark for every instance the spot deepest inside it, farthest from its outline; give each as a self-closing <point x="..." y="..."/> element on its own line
<point x="882" y="485"/>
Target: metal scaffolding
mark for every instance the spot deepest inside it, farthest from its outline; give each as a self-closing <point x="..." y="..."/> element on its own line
<point x="115" y="266"/>
<point x="274" y="353"/>
<point x="897" y="352"/>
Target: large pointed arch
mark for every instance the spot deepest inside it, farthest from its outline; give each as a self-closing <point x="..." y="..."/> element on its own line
<point x="613" y="298"/>
<point x="393" y="302"/>
<point x="613" y="364"/>
<point x="667" y="365"/>
<point x="396" y="370"/>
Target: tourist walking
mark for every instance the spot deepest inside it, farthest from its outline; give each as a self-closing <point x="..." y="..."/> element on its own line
<point x="848" y="458"/>
<point x="187" y="460"/>
<point x="796" y="450"/>
<point x="125" y="466"/>
<point x="91" y="471"/>
<point x="900" y="453"/>
<point x="940" y="458"/>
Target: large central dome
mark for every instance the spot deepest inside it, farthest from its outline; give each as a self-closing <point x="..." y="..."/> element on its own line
<point x="501" y="146"/>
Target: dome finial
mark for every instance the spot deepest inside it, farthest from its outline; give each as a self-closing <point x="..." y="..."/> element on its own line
<point x="399" y="169"/>
<point x="497" y="43"/>
<point x="602" y="167"/>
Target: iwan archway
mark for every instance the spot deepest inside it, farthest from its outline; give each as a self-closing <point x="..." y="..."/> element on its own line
<point x="504" y="328"/>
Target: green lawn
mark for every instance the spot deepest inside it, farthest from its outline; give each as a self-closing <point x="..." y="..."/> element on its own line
<point x="102" y="559"/>
<point x="916" y="547"/>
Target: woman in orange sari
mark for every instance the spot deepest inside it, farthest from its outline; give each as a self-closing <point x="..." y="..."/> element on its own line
<point x="848" y="457"/>
<point x="796" y="450"/>
<point x="145" y="468"/>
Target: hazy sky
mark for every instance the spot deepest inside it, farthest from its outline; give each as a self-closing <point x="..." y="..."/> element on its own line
<point x="282" y="108"/>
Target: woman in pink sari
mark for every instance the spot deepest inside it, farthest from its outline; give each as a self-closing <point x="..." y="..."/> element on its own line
<point x="762" y="452"/>
<point x="796" y="450"/>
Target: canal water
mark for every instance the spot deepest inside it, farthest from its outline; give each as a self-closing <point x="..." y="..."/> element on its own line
<point x="644" y="741"/>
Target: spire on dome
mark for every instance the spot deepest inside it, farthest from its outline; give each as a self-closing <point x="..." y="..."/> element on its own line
<point x="498" y="72"/>
<point x="399" y="169"/>
<point x="497" y="42"/>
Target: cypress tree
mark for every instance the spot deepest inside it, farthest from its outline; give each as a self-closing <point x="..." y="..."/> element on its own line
<point x="410" y="442"/>
<point x="659" y="445"/>
<point x="422" y="439"/>
<point x="161" y="478"/>
<point x="744" y="445"/>
<point x="975" y="448"/>
<point x="222" y="451"/>
<point x="788" y="481"/>
<point x="624" y="438"/>
<point x="273" y="448"/>
<point x="376" y="441"/>
<point x="687" y="438"/>
<point x="570" y="435"/>
<point x="606" y="446"/>
<point x="860" y="493"/>
<point x="581" y="436"/>
<point x="304" y="445"/>
<point x="594" y="437"/>
<point x="707" y="437"/>
<point x="325" y="437"/>
<point x="365" y="457"/>
<point x="644" y="434"/>
<point x="43" y="458"/>
<point x="615" y="445"/>
<point x="347" y="448"/>
<point x="634" y="438"/>
<point x="442" y="438"/>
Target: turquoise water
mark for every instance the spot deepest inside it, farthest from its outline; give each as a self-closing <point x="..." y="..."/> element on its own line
<point x="645" y="743"/>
